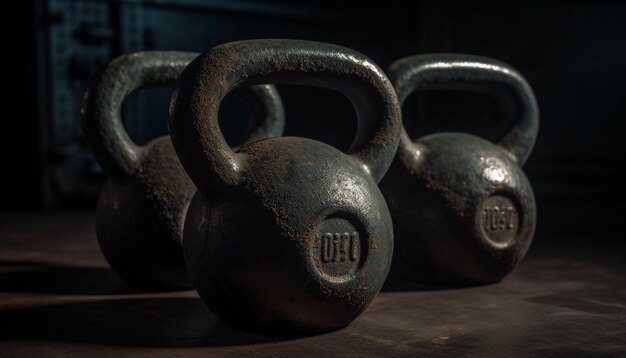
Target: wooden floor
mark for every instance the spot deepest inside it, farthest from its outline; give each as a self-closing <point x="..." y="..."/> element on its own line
<point x="58" y="298"/>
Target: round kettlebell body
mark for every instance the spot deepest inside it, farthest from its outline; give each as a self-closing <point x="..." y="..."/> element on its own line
<point x="139" y="222"/>
<point x="141" y="210"/>
<point x="476" y="214"/>
<point x="463" y="210"/>
<point x="305" y="243"/>
<point x="286" y="234"/>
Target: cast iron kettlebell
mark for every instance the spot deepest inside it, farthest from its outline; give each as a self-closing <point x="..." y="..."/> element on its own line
<point x="463" y="210"/>
<point x="288" y="233"/>
<point x="141" y="209"/>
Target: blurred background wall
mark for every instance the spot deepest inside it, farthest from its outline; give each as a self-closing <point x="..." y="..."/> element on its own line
<point x="572" y="53"/>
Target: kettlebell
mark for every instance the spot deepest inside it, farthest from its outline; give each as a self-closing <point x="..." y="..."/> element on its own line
<point x="286" y="234"/>
<point x="141" y="209"/>
<point x="463" y="210"/>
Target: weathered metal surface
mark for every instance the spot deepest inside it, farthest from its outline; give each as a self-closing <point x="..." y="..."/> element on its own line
<point x="565" y="300"/>
<point x="288" y="233"/>
<point x="462" y="208"/>
<point x="141" y="209"/>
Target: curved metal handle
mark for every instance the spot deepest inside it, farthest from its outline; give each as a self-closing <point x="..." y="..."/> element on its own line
<point x="100" y="112"/>
<point x="499" y="80"/>
<point x="194" y="107"/>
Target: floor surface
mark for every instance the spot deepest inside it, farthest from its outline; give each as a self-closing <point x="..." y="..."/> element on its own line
<point x="58" y="298"/>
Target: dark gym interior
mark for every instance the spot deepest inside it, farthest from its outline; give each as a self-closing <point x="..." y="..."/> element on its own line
<point x="567" y="298"/>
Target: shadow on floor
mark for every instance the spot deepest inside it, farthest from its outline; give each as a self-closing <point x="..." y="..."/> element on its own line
<point x="140" y="322"/>
<point x="393" y="283"/>
<point x="33" y="277"/>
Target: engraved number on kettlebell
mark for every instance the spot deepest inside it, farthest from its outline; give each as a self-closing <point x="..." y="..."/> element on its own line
<point x="497" y="218"/>
<point x="338" y="247"/>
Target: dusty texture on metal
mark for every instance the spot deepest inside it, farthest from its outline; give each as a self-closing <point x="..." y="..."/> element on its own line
<point x="462" y="208"/>
<point x="141" y="209"/>
<point x="565" y="300"/>
<point x="296" y="235"/>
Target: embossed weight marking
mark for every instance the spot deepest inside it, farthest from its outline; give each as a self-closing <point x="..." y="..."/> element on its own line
<point x="338" y="247"/>
<point x="141" y="209"/>
<point x="336" y="255"/>
<point x="286" y="246"/>
<point x="338" y="250"/>
<point x="462" y="208"/>
<point x="499" y="220"/>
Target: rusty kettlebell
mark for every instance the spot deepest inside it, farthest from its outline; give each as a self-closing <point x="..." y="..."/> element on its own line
<point x="142" y="207"/>
<point x="287" y="234"/>
<point x="463" y="210"/>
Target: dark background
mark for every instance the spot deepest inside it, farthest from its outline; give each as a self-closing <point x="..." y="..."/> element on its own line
<point x="572" y="53"/>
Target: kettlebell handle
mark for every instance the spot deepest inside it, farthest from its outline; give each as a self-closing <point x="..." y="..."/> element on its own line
<point x="101" y="108"/>
<point x="196" y="99"/>
<point x="504" y="83"/>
